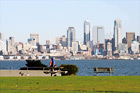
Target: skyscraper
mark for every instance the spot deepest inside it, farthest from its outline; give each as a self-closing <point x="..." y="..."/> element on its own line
<point x="106" y="45"/>
<point x="74" y="47"/>
<point x="98" y="35"/>
<point x="1" y="36"/>
<point x="11" y="49"/>
<point x="98" y="39"/>
<point x="70" y="36"/>
<point x="35" y="36"/>
<point x="109" y="49"/>
<point x="63" y="41"/>
<point x="117" y="32"/>
<point x="86" y="32"/>
<point x="2" y="44"/>
<point x="11" y="41"/>
<point x="129" y="37"/>
<point x="138" y="39"/>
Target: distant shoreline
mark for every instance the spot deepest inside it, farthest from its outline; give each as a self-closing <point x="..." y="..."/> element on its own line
<point x="66" y="59"/>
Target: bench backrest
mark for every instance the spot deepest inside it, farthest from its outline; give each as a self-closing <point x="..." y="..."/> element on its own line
<point x="103" y="70"/>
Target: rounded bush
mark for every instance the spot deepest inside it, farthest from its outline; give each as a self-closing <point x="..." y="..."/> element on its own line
<point x="72" y="69"/>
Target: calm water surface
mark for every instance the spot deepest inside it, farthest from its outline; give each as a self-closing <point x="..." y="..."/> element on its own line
<point x="121" y="67"/>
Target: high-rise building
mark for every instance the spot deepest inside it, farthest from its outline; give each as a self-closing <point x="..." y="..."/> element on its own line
<point x="101" y="49"/>
<point x="117" y="32"/>
<point x="26" y="46"/>
<point x="74" y="47"/>
<point x="109" y="49"/>
<point x="1" y="36"/>
<point x="129" y="37"/>
<point x="63" y="41"/>
<point x="19" y="47"/>
<point x="11" y="41"/>
<point x="106" y="45"/>
<point x="138" y="39"/>
<point x="48" y="42"/>
<point x="10" y="46"/>
<point x="2" y="47"/>
<point x="134" y="47"/>
<point x="35" y="36"/>
<point x="70" y="36"/>
<point x="124" y="40"/>
<point x="58" y="40"/>
<point x="98" y="35"/>
<point x="122" y="49"/>
<point x="86" y="32"/>
<point x="32" y="42"/>
<point x="113" y="45"/>
<point x="40" y="48"/>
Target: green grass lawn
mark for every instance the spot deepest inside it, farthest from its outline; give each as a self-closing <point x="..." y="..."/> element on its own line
<point x="98" y="84"/>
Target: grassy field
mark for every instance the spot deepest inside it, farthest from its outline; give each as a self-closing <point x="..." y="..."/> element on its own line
<point x="98" y="84"/>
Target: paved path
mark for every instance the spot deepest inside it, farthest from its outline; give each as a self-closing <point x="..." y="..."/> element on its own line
<point x="15" y="73"/>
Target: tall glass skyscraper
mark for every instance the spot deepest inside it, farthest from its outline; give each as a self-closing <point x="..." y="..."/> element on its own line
<point x="98" y="40"/>
<point x="70" y="36"/>
<point x="98" y="35"/>
<point x="117" y="32"/>
<point x="86" y="32"/>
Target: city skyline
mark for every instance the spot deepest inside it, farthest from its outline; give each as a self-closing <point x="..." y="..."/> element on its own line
<point x="93" y="37"/>
<point x="44" y="17"/>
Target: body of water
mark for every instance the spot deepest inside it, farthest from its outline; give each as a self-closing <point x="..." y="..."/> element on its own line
<point x="121" y="67"/>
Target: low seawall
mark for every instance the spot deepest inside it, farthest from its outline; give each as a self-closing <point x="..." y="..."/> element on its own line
<point x="16" y="73"/>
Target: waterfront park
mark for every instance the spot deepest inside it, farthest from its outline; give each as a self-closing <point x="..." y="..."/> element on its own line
<point x="68" y="83"/>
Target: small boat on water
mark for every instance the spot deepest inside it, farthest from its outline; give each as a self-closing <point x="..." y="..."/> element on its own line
<point x="131" y="58"/>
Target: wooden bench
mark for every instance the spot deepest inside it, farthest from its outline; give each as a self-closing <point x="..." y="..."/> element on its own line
<point x="103" y="70"/>
<point x="46" y="70"/>
<point x="55" y="70"/>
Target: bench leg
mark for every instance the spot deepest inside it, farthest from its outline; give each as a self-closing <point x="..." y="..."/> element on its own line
<point x="96" y="74"/>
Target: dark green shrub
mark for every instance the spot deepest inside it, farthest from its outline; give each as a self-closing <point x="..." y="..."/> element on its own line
<point x="34" y="65"/>
<point x="72" y="69"/>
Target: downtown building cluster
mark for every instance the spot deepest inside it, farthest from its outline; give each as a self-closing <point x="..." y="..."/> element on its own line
<point x="67" y="47"/>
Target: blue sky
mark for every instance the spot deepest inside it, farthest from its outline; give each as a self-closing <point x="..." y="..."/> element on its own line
<point x="51" y="18"/>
